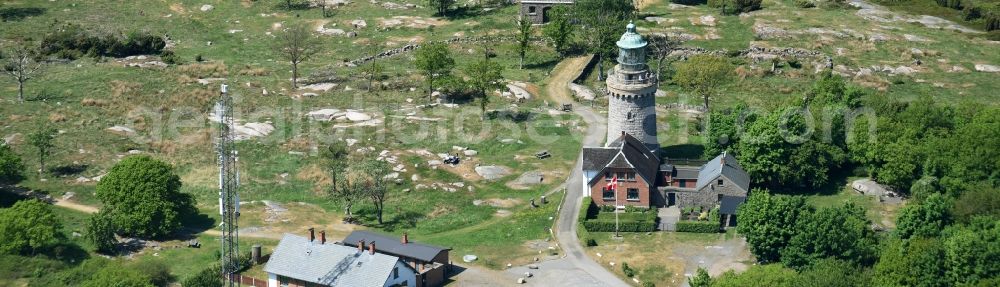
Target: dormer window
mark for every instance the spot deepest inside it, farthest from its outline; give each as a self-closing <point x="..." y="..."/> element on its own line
<point x="720" y="183"/>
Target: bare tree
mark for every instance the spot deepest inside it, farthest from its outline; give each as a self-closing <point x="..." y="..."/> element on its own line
<point x="660" y="47"/>
<point x="296" y="45"/>
<point x="20" y="64"/>
<point x="374" y="71"/>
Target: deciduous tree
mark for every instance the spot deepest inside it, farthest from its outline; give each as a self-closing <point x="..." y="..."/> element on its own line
<point x="142" y="197"/>
<point x="20" y="64"/>
<point x="560" y="30"/>
<point x="28" y="227"/>
<point x="442" y="6"/>
<point x="703" y="74"/>
<point x="376" y="183"/>
<point x="484" y="75"/>
<point x="296" y="45"/>
<point x="660" y="46"/>
<point x="435" y="62"/>
<point x="837" y="232"/>
<point x="768" y="222"/>
<point x="701" y="279"/>
<point x="101" y="232"/>
<point x="42" y="141"/>
<point x="971" y="253"/>
<point x="924" y="219"/>
<point x="913" y="262"/>
<point x="11" y="167"/>
<point x="523" y="38"/>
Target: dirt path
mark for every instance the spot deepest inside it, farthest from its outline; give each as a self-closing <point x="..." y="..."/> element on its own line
<point x="75" y="206"/>
<point x="576" y="267"/>
<point x="558" y="85"/>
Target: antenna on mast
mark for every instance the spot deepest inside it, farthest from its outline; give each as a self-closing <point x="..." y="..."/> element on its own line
<point x="229" y="198"/>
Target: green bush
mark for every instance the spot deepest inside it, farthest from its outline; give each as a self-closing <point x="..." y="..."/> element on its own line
<point x="648" y="284"/>
<point x="698" y="226"/>
<point x="953" y="4"/>
<point x="588" y="209"/>
<point x="804" y="4"/>
<point x="993" y="35"/>
<point x="591" y="242"/>
<point x="169" y="57"/>
<point x="628" y="270"/>
<point x="732" y="7"/>
<point x="72" y="41"/>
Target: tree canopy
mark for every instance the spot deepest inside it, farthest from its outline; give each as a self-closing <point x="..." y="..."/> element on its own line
<point x="434" y="61"/>
<point x="703" y="74"/>
<point x="765" y="221"/>
<point x="836" y="232"/>
<point x="142" y="197"/>
<point x="27" y="227"/>
<point x="484" y="76"/>
<point x="11" y="167"/>
<point x="924" y="219"/>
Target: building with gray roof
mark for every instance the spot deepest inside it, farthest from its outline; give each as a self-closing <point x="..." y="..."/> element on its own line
<point x="301" y="261"/>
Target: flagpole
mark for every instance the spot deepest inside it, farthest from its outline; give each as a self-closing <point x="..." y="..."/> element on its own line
<point x="616" y="207"/>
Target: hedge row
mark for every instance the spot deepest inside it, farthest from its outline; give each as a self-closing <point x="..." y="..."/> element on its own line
<point x="623" y="226"/>
<point x="588" y="209"/>
<point x="698" y="226"/>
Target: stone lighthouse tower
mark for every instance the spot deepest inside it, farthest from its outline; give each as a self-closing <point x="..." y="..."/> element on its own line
<point x="631" y="92"/>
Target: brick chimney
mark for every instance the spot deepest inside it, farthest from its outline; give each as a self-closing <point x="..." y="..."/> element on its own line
<point x="371" y="248"/>
<point x="312" y="234"/>
<point x="322" y="237"/>
<point x="361" y="246"/>
<point x="406" y="239"/>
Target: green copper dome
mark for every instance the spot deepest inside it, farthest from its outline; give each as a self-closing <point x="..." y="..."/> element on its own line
<point x="631" y="39"/>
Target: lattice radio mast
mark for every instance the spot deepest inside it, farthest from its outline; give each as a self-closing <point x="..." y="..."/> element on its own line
<point x="229" y="181"/>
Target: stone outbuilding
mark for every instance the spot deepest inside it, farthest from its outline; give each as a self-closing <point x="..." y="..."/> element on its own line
<point x="540" y="11"/>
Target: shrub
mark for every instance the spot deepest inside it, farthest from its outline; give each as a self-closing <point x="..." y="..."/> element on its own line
<point x="198" y="58"/>
<point x="648" y="284"/>
<point x="628" y="270"/>
<point x="169" y="57"/>
<point x="698" y="226"/>
<point x="588" y="209"/>
<point x="731" y="7"/>
<point x="953" y="4"/>
<point x="804" y="4"/>
<point x="972" y="13"/>
<point x="591" y="242"/>
<point x="72" y="41"/>
<point x="993" y="35"/>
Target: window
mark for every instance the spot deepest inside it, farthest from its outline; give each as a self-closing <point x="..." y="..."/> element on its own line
<point x="621" y="176"/>
<point x="633" y="194"/>
<point x="283" y="281"/>
<point x="607" y="194"/>
<point x="395" y="272"/>
<point x="531" y="9"/>
<point x="629" y="116"/>
<point x="630" y="176"/>
<point x="607" y="176"/>
<point x="720" y="182"/>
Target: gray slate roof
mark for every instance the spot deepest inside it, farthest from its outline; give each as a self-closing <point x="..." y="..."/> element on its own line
<point x="687" y="172"/>
<point x="393" y="245"/>
<point x="329" y="264"/>
<point x="724" y="164"/>
<point x="730" y="204"/>
<point x="595" y="158"/>
<point x="631" y="153"/>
